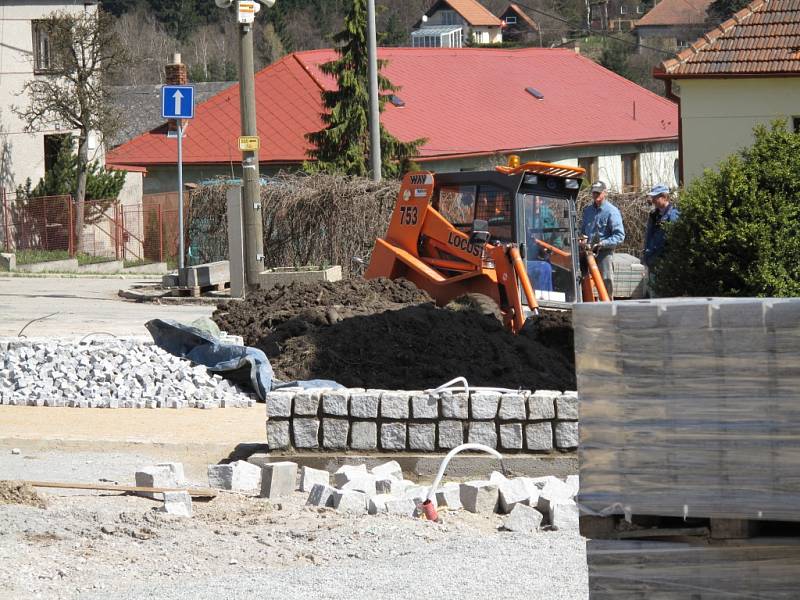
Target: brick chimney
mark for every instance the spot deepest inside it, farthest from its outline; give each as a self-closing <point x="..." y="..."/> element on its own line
<point x="175" y="73"/>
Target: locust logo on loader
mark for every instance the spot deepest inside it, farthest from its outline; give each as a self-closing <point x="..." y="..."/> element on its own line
<point x="463" y="244"/>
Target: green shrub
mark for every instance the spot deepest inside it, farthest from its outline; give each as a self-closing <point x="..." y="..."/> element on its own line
<point x="738" y="230"/>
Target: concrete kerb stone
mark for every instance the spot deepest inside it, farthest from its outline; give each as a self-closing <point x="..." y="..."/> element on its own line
<point x="238" y="476"/>
<point x="523" y="519"/>
<point x="364" y="484"/>
<point x="321" y="495"/>
<point x="178" y="504"/>
<point x="278" y="479"/>
<point x="349" y="501"/>
<point x="449" y="495"/>
<point x="347" y="473"/>
<point x="155" y="477"/>
<point x="401" y="506"/>
<point x="310" y="477"/>
<point x="479" y="496"/>
<point x="390" y="469"/>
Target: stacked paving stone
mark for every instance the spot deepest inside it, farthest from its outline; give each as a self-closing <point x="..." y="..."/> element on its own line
<point x="108" y="374"/>
<point x="689" y="408"/>
<point x="391" y="420"/>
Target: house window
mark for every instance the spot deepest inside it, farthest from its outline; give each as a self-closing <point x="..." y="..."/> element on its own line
<point x="590" y="165"/>
<point x="52" y="144"/>
<point x="481" y="37"/>
<point x="681" y="43"/>
<point x="640" y="9"/>
<point x="623" y="9"/>
<point x="42" y="61"/>
<point x="630" y="172"/>
<point x="449" y="17"/>
<point x="511" y="20"/>
<point x="796" y="124"/>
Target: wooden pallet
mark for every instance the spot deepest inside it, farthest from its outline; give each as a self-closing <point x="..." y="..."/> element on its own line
<point x="642" y="527"/>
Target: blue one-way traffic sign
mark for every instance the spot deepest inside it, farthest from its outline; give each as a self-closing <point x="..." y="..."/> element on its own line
<point x="177" y="102"/>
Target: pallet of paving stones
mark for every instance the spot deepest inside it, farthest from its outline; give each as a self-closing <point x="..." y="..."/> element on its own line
<point x="689" y="408"/>
<point x="756" y="569"/>
<point x="197" y="291"/>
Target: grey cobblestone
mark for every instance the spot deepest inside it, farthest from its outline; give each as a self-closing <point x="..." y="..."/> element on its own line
<point x="541" y="405"/>
<point x="422" y="436"/>
<point x="484" y="404"/>
<point x="567" y="435"/>
<point x="306" y="403"/>
<point x="364" y="405"/>
<point x="279" y="404"/>
<point x="511" y="436"/>
<point x="334" y="402"/>
<point x="334" y="433"/>
<point x="364" y="435"/>
<point x="424" y="406"/>
<point x="539" y="436"/>
<point x="451" y="434"/>
<point x="394" y="405"/>
<point x="567" y="407"/>
<point x="512" y="407"/>
<point x="483" y="432"/>
<point x="393" y="436"/>
<point x="455" y="406"/>
<point x="306" y="433"/>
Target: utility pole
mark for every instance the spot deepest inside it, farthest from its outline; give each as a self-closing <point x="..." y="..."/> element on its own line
<point x="251" y="178"/>
<point x="374" y="111"/>
<point x="249" y="142"/>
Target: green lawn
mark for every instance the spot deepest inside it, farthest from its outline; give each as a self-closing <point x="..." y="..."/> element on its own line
<point x="29" y="257"/>
<point x="137" y="263"/>
<point x="88" y="259"/>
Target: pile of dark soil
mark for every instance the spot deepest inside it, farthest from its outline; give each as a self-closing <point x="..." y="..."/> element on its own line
<point x="389" y="334"/>
<point x="18" y="492"/>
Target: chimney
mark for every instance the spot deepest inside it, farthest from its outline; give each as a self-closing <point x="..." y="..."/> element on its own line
<point x="176" y="73"/>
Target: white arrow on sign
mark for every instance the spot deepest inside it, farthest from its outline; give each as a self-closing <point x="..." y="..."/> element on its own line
<point x="177" y="96"/>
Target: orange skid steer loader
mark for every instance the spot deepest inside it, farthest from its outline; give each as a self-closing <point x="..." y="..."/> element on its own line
<point x="509" y="234"/>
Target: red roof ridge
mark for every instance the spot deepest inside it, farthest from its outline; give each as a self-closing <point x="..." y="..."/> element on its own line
<point x="305" y="68"/>
<point x="704" y="42"/>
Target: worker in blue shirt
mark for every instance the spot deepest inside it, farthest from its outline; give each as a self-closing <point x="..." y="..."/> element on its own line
<point x="655" y="237"/>
<point x="602" y="229"/>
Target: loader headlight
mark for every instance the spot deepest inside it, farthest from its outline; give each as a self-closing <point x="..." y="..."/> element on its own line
<point x="571" y="184"/>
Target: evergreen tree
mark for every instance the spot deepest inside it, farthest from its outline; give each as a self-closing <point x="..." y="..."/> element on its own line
<point x="343" y="146"/>
<point x="720" y="10"/>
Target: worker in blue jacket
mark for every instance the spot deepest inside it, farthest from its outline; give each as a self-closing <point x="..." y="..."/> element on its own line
<point x="664" y="211"/>
<point x="601" y="227"/>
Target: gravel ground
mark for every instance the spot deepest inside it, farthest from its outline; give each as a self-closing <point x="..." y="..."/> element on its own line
<point x="87" y="545"/>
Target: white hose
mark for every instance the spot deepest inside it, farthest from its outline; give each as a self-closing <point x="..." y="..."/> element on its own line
<point x="465" y="387"/>
<point x="451" y="454"/>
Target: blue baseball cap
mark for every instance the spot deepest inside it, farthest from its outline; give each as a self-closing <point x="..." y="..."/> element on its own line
<point x="658" y="189"/>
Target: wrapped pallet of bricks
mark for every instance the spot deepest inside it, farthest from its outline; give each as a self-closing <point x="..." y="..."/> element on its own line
<point x="690" y="417"/>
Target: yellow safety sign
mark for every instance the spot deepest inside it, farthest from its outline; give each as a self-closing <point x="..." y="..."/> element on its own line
<point x="249" y="143"/>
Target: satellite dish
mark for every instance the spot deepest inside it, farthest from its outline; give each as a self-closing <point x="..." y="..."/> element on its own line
<point x="223" y="3"/>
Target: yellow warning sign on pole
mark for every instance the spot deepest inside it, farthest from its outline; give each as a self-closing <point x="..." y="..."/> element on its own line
<point x="249" y="143"/>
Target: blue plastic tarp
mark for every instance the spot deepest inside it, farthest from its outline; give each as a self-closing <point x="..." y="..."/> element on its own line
<point x="246" y="366"/>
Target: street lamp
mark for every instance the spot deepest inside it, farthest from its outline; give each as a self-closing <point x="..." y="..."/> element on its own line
<point x="253" y="227"/>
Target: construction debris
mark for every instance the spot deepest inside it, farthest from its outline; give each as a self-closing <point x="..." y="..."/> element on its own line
<point x="108" y="374"/>
<point x="278" y="479"/>
<point x="178" y="504"/>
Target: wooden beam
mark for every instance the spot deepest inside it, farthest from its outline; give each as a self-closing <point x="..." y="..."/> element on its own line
<point x="194" y="492"/>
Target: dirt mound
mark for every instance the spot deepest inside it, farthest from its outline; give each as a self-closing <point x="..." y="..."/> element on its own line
<point x="389" y="334"/>
<point x="18" y="492"/>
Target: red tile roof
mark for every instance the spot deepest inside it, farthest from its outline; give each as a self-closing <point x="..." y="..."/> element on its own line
<point x="675" y="13"/>
<point x="761" y="39"/>
<point x="473" y="12"/>
<point x="522" y="15"/>
<point x="465" y="101"/>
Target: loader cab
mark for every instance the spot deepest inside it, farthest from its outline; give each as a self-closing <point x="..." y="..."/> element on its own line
<point x="532" y="205"/>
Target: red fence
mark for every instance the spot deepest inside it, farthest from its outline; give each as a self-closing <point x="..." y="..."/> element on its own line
<point x="140" y="233"/>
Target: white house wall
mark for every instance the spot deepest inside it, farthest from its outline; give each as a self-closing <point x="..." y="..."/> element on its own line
<point x="718" y="116"/>
<point x="21" y="153"/>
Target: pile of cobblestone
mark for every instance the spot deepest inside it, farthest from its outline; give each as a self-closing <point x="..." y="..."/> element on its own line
<point x="108" y="374"/>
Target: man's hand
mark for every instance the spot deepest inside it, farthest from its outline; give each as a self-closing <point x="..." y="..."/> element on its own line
<point x="597" y="247"/>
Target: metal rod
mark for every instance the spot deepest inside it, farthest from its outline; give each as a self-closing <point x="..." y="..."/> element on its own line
<point x="180" y="194"/>
<point x="374" y="111"/>
<point x="253" y="227"/>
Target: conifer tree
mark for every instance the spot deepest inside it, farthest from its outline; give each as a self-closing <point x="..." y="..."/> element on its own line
<point x="343" y="145"/>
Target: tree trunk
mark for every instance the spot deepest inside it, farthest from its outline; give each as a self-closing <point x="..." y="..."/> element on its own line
<point x="80" y="192"/>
